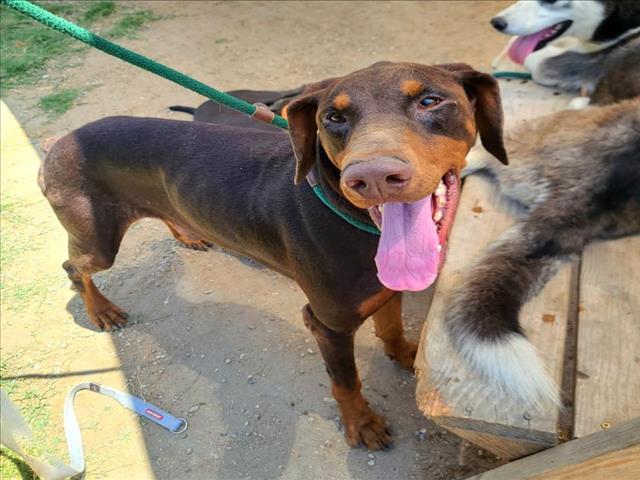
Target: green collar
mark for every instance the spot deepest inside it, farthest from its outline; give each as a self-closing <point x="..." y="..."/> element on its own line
<point x="359" y="224"/>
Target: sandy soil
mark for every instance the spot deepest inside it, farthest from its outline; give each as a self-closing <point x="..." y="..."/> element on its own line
<point x="213" y="336"/>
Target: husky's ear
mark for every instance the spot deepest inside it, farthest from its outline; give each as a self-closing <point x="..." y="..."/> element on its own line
<point x="301" y="114"/>
<point x="484" y="95"/>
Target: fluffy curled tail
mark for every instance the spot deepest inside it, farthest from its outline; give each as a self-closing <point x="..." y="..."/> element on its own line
<point x="511" y="365"/>
<point x="482" y="320"/>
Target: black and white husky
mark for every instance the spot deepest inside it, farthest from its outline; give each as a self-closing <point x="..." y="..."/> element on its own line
<point x="574" y="44"/>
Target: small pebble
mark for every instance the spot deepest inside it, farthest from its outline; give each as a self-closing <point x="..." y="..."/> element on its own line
<point x="188" y="451"/>
<point x="371" y="463"/>
<point x="227" y="361"/>
<point x="194" y="409"/>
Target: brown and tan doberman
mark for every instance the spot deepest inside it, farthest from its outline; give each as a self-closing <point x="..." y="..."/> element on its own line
<point x="386" y="145"/>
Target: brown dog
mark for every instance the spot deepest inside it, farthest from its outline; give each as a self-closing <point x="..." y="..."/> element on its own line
<point x="385" y="143"/>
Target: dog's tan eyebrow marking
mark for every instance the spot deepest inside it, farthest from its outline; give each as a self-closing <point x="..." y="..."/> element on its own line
<point x="342" y="101"/>
<point x="411" y="88"/>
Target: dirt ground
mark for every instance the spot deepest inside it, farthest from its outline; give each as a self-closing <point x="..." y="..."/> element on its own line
<point x="213" y="337"/>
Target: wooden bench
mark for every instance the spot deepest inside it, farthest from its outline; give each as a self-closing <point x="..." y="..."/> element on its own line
<point x="585" y="324"/>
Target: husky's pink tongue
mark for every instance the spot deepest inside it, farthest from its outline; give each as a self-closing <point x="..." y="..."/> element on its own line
<point x="523" y="46"/>
<point x="408" y="256"/>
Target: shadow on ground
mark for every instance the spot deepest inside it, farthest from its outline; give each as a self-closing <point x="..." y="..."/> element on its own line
<point x="221" y="341"/>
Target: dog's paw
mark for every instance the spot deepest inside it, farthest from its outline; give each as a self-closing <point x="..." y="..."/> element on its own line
<point x="404" y="353"/>
<point x="107" y="316"/>
<point x="367" y="428"/>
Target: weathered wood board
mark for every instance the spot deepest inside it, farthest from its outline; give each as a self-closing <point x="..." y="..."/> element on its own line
<point x="608" y="363"/>
<point x="612" y="454"/>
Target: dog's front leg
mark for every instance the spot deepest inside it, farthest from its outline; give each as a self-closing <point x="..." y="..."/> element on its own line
<point x="362" y="424"/>
<point x="388" y="327"/>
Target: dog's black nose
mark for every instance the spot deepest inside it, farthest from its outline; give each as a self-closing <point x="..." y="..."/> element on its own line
<point x="499" y="23"/>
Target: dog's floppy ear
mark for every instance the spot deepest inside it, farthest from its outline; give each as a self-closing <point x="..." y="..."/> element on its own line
<point x="301" y="114"/>
<point x="484" y="93"/>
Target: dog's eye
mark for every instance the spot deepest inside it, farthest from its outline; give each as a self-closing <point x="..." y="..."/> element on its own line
<point x="336" y="117"/>
<point x="429" y="102"/>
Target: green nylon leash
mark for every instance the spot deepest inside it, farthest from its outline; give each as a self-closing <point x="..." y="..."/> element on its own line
<point x="53" y="21"/>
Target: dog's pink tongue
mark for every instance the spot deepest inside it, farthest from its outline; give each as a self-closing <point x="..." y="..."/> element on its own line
<point x="523" y="46"/>
<point x="408" y="256"/>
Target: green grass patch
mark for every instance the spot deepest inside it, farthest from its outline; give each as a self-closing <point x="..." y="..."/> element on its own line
<point x="130" y="23"/>
<point x="99" y="10"/>
<point x="28" y="48"/>
<point x="58" y="103"/>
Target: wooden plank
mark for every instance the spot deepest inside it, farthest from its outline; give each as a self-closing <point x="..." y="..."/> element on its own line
<point x="501" y="446"/>
<point x="605" y="455"/>
<point x="608" y="363"/>
<point x="462" y="403"/>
